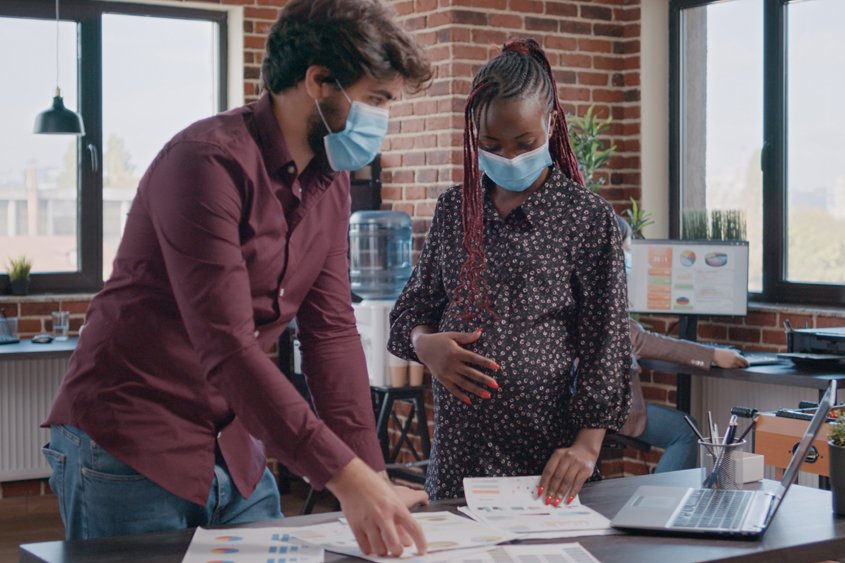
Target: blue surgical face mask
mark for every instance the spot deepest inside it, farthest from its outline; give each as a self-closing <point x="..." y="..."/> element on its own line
<point x="629" y="263"/>
<point x="519" y="173"/>
<point x="359" y="142"/>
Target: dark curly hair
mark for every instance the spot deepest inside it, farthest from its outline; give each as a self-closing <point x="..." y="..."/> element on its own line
<point x="352" y="38"/>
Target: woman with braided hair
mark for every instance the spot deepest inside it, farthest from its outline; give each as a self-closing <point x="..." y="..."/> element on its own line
<point x="517" y="305"/>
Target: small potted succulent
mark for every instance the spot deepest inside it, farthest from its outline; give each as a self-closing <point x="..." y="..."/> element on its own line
<point x="836" y="443"/>
<point x="19" y="269"/>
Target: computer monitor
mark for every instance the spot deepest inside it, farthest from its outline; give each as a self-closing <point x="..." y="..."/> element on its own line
<point x="693" y="277"/>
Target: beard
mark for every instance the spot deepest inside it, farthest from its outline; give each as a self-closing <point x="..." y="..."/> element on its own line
<point x="317" y="129"/>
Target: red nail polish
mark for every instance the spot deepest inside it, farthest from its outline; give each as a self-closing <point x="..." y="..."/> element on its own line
<point x="493" y="385"/>
<point x="557" y="501"/>
<point x="569" y="500"/>
<point x="478" y="331"/>
<point x="548" y="500"/>
<point x="466" y="400"/>
<point x="485" y="395"/>
<point x="540" y="490"/>
<point x="495" y="367"/>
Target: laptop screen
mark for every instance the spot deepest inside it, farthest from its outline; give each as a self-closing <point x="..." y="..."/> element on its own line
<point x="803" y="448"/>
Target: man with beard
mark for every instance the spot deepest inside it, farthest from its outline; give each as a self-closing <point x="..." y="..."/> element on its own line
<point x="238" y="226"/>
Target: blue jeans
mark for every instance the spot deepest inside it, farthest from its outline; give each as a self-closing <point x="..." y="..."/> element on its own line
<point x="665" y="428"/>
<point x="100" y="496"/>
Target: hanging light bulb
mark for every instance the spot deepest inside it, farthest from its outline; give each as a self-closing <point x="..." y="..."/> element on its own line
<point x="58" y="119"/>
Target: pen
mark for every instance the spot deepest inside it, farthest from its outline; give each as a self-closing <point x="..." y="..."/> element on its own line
<point x="702" y="440"/>
<point x="731" y="432"/>
<point x="747" y="430"/>
<point x="710" y="422"/>
<point x="695" y="429"/>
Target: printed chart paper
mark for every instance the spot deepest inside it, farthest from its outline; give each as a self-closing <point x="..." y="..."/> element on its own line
<point x="443" y="531"/>
<point x="508" y="504"/>
<point x="247" y="545"/>
<point x="549" y="553"/>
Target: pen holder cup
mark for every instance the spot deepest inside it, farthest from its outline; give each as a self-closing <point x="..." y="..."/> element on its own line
<point x="721" y="464"/>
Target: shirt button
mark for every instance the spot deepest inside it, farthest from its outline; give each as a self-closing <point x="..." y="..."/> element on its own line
<point x="291" y="169"/>
<point x="256" y="334"/>
<point x="282" y="292"/>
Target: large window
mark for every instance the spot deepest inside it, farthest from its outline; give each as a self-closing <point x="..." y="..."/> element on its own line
<point x="137" y="74"/>
<point x="756" y="123"/>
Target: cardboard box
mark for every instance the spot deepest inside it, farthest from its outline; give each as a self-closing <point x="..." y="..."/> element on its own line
<point x="750" y="467"/>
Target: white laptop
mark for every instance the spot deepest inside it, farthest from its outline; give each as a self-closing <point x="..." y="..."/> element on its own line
<point x="715" y="512"/>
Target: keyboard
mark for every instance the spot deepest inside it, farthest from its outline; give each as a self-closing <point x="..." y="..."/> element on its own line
<point x="6" y="339"/>
<point x="762" y="359"/>
<point x="713" y="508"/>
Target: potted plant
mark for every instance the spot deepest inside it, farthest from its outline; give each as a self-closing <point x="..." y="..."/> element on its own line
<point x="19" y="269"/>
<point x="591" y="151"/>
<point x="638" y="218"/>
<point x="836" y="443"/>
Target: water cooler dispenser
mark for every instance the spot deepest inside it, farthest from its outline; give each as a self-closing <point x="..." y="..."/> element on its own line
<point x="379" y="267"/>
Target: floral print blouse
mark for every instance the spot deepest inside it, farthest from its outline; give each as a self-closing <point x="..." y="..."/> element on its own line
<point x="556" y="284"/>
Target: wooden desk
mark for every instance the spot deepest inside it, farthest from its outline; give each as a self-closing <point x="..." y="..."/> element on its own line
<point x="803" y="530"/>
<point x="786" y="373"/>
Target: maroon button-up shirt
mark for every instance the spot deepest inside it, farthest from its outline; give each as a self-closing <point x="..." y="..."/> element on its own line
<point x="211" y="268"/>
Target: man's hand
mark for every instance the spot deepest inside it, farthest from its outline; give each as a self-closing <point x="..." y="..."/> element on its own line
<point x="376" y="511"/>
<point x="453" y="365"/>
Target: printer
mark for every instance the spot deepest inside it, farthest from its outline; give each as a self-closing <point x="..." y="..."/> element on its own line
<point x="827" y="341"/>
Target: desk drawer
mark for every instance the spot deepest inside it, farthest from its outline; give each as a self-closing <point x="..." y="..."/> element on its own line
<point x="776" y="436"/>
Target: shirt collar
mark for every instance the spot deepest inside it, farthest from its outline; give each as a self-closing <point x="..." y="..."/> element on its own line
<point x="536" y="208"/>
<point x="272" y="142"/>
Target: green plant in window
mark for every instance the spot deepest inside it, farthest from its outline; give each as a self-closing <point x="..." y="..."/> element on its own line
<point x="727" y="224"/>
<point x="19" y="268"/>
<point x="694" y="224"/>
<point x="638" y="218"/>
<point x="584" y="133"/>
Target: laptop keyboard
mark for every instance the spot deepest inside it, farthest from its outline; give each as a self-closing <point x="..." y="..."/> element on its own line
<point x="713" y="508"/>
<point x="6" y="339"/>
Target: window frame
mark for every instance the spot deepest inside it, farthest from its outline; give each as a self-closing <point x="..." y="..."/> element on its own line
<point x="774" y="152"/>
<point x="88" y="18"/>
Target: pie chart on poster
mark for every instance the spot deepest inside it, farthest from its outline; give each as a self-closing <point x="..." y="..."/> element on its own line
<point x="682" y="300"/>
<point x="716" y="259"/>
<point x="224" y="550"/>
<point x="228" y="538"/>
<point x="687" y="258"/>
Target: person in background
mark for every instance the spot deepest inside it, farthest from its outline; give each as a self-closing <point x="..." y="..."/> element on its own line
<point x="240" y="224"/>
<point x="521" y="279"/>
<point x="660" y="425"/>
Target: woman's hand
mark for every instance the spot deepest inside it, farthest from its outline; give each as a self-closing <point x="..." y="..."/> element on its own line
<point x="569" y="468"/>
<point x="725" y="358"/>
<point x="452" y="365"/>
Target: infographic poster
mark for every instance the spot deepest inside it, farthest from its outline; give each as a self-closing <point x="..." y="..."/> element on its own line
<point x="692" y="277"/>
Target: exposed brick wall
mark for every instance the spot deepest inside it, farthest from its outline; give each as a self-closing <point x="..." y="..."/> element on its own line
<point x="593" y="47"/>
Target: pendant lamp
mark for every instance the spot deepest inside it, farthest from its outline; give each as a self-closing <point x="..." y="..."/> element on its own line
<point x="58" y="119"/>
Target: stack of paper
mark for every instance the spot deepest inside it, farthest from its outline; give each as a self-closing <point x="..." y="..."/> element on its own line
<point x="443" y="531"/>
<point x="508" y="504"/>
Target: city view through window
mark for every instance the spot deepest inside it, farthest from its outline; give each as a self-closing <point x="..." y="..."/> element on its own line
<point x="148" y="95"/>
